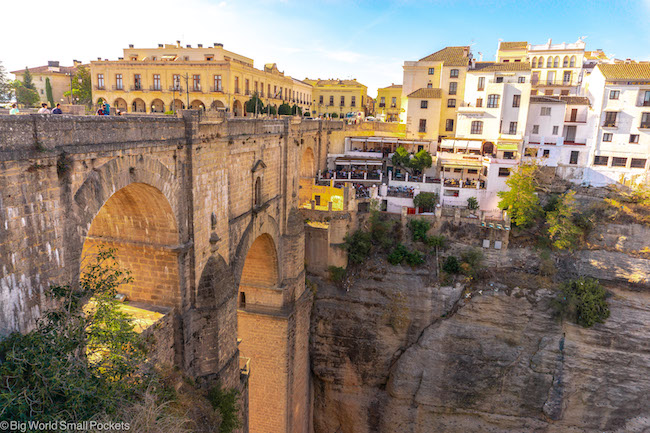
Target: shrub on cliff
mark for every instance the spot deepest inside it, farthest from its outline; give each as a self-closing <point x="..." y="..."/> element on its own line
<point x="426" y="200"/>
<point x="451" y="265"/>
<point x="419" y="229"/>
<point x="358" y="246"/>
<point x="562" y="228"/>
<point x="402" y="254"/>
<point x="582" y="301"/>
<point x="520" y="200"/>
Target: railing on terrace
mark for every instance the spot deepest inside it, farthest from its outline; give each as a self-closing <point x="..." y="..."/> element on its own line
<point x="399" y="193"/>
<point x="465" y="183"/>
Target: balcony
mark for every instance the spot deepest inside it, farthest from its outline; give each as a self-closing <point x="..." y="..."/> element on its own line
<point x="216" y="89"/>
<point x="643" y="104"/>
<point x="393" y="105"/>
<point x="382" y="105"/>
<point x="553" y="83"/>
<point x="136" y="88"/>
<point x="248" y="92"/>
<point x="196" y="89"/>
<point x="610" y="125"/>
<point x="155" y="88"/>
<point x="100" y="87"/>
<point x="644" y="125"/>
<point x="576" y="119"/>
<point x="118" y="88"/>
<point x="237" y="90"/>
<point x="178" y="89"/>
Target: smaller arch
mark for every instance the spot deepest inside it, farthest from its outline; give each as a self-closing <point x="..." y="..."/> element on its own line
<point x="556" y="62"/>
<point x="197" y="105"/>
<point x="217" y="106"/>
<point x="177" y="104"/>
<point x="549" y="62"/>
<point x="138" y="106"/>
<point x="572" y="64"/>
<point x="565" y="61"/>
<point x="488" y="148"/>
<point x="157" y="106"/>
<point x="534" y="63"/>
<point x="120" y="104"/>
<point x="237" y="108"/>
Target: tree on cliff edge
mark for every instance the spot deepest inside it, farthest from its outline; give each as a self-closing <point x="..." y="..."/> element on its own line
<point x="520" y="201"/>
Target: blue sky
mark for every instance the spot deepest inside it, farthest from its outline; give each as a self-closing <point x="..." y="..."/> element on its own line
<point x="367" y="40"/>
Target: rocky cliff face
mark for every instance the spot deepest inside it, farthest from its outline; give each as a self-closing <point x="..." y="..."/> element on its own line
<point x="396" y="353"/>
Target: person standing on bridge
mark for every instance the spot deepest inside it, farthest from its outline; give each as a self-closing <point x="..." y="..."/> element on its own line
<point x="44" y="109"/>
<point x="57" y="110"/>
<point x="13" y="110"/>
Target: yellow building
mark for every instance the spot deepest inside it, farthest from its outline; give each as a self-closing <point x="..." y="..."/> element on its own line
<point x="155" y="80"/>
<point x="444" y="70"/>
<point x="389" y="103"/>
<point x="337" y="96"/>
<point x="512" y="52"/>
<point x="59" y="79"/>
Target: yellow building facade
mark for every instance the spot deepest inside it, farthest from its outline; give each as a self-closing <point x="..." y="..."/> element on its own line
<point x="445" y="70"/>
<point x="389" y="103"/>
<point x="337" y="96"/>
<point x="59" y="80"/>
<point x="172" y="77"/>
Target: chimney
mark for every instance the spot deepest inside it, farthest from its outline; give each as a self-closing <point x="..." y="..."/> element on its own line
<point x="130" y="45"/>
<point x="120" y="58"/>
<point x="76" y="63"/>
<point x="160" y="45"/>
<point x="188" y="46"/>
<point x="216" y="44"/>
<point x="178" y="43"/>
<point x="200" y="45"/>
<point x="99" y="58"/>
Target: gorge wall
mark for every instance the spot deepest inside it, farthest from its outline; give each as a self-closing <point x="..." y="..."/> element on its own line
<point x="489" y="359"/>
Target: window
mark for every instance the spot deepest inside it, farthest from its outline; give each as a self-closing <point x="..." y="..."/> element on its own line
<point x="614" y="94"/>
<point x="516" y="99"/>
<point x="449" y="125"/>
<point x="342" y="101"/>
<point x="504" y="172"/>
<point x="546" y="153"/>
<point x="556" y="62"/>
<point x="432" y="71"/>
<point x="549" y="62"/>
<point x="481" y="83"/>
<point x="423" y="125"/>
<point x="564" y="92"/>
<point x="493" y="101"/>
<point x="453" y="73"/>
<point x="451" y="103"/>
<point x="541" y="62"/>
<point x="601" y="160"/>
<point x="545" y="111"/>
<point x="637" y="163"/>
<point x="209" y="58"/>
<point x="508" y="155"/>
<point x="156" y="81"/>
<point x="353" y="101"/>
<point x="645" y="120"/>
<point x="137" y="82"/>
<point x="619" y="162"/>
<point x="646" y="99"/>
<point x="530" y="151"/>
<point x="218" y="83"/>
<point x="521" y="79"/>
<point x="573" y="159"/>
<point x="429" y="85"/>
<point x="452" y="87"/>
<point x="320" y="99"/>
<point x="479" y="102"/>
<point x="196" y="82"/>
<point x="247" y="86"/>
<point x="119" y="85"/>
<point x="534" y="63"/>
<point x="499" y="80"/>
<point x="393" y="102"/>
<point x="477" y="127"/>
<point x="566" y="78"/>
<point x="382" y="101"/>
<point x="610" y="118"/>
<point x="331" y="101"/>
<point x="424" y="104"/>
<point x="535" y="129"/>
<point x="258" y="192"/>
<point x="573" y="62"/>
<point x="176" y="80"/>
<point x="556" y="129"/>
<point x="607" y="137"/>
<point x="100" y="81"/>
<point x="513" y="128"/>
<point x="634" y="138"/>
<point x="565" y="61"/>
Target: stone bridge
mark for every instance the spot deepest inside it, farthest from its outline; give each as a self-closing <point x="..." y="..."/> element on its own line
<point x="204" y="214"/>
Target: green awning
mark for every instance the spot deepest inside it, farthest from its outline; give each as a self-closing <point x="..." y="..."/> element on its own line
<point x="462" y="164"/>
<point x="508" y="146"/>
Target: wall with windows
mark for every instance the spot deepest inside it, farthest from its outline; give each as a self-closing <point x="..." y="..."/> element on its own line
<point x="427" y="110"/>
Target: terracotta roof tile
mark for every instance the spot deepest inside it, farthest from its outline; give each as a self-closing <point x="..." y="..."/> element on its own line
<point x="451" y="56"/>
<point x="502" y="66"/>
<point x="625" y="71"/>
<point x="332" y="82"/>
<point x="513" y="45"/>
<point x="45" y="69"/>
<point x="423" y="93"/>
<point x="545" y="100"/>
<point x="575" y="100"/>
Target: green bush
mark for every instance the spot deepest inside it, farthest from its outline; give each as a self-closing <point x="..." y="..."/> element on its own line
<point x="471" y="261"/>
<point x="451" y="265"/>
<point x="472" y="203"/>
<point x="382" y="231"/>
<point x="582" y="301"/>
<point x="358" y="246"/>
<point x="565" y="233"/>
<point x="337" y="274"/>
<point x="414" y="258"/>
<point x="426" y="200"/>
<point x="419" y="229"/>
<point x="400" y="254"/>
<point x="284" y="109"/>
<point x="226" y="402"/>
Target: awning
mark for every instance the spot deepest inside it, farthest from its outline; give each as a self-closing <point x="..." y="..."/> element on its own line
<point x="364" y="162"/>
<point x="474" y="144"/>
<point x="461" y="164"/>
<point x="448" y="144"/>
<point x="508" y="146"/>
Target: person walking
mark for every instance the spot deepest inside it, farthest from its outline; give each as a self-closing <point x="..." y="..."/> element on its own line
<point x="44" y="109"/>
<point x="13" y="110"/>
<point x="57" y="110"/>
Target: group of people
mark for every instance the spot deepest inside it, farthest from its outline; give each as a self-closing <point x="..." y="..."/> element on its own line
<point x="43" y="110"/>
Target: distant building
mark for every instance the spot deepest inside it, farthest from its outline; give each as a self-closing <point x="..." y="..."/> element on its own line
<point x="60" y="79"/>
<point x="155" y="80"/>
<point x="389" y="103"/>
<point x="337" y="96"/>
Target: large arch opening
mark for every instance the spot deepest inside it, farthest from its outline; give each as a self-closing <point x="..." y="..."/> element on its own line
<point x="237" y="108"/>
<point x="157" y="106"/>
<point x="217" y="106"/>
<point x="138" y="221"/>
<point x="138" y="106"/>
<point x="197" y="105"/>
<point x="120" y="104"/>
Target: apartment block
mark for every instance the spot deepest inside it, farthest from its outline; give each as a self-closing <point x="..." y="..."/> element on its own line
<point x="338" y="97"/>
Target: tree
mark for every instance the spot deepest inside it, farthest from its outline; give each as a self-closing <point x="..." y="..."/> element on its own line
<point x="562" y="229"/>
<point x="81" y="87"/>
<point x="520" y="200"/>
<point x="472" y="203"/>
<point x="273" y="110"/>
<point x="426" y="200"/>
<point x="25" y="96"/>
<point x="421" y="161"/>
<point x="27" y="79"/>
<point x="254" y="105"/>
<point x="401" y="158"/>
<point x="334" y="116"/>
<point x="437" y="243"/>
<point x="5" y="85"/>
<point x="284" y="109"/>
<point x="307" y="114"/>
<point x="48" y="92"/>
<point x="582" y="301"/>
<point x="296" y="111"/>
